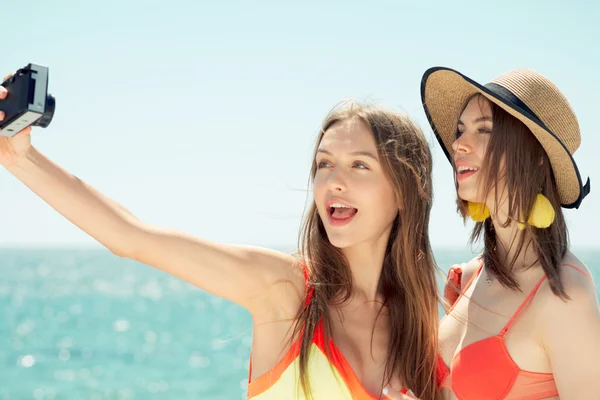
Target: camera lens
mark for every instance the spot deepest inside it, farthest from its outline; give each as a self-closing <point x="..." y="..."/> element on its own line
<point x="46" y="118"/>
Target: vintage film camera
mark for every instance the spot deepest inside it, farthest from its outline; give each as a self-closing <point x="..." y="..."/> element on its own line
<point x="28" y="101"/>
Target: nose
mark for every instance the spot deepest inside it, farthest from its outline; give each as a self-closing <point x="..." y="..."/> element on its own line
<point x="337" y="181"/>
<point x="462" y="144"/>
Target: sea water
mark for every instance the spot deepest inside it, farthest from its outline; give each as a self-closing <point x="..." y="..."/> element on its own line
<point x="85" y="324"/>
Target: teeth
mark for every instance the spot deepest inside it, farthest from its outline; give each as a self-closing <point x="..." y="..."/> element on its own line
<point x="339" y="205"/>
<point x="462" y="169"/>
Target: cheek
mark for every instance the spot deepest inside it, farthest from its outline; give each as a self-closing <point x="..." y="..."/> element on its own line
<point x="319" y="184"/>
<point x="390" y="209"/>
<point x="382" y="201"/>
<point x="481" y="146"/>
<point x="317" y="187"/>
<point x="319" y="193"/>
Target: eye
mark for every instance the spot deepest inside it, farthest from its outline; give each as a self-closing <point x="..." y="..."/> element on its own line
<point x="360" y="165"/>
<point x="323" y="164"/>
<point x="458" y="133"/>
<point x="484" y="130"/>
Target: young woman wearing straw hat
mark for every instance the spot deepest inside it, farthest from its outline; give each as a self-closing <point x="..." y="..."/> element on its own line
<point x="357" y="310"/>
<point x="524" y="318"/>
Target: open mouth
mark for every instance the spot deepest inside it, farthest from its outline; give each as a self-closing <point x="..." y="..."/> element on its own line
<point x="340" y="214"/>
<point x="463" y="172"/>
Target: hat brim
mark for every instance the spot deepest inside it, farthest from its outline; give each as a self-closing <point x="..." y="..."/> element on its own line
<point x="444" y="94"/>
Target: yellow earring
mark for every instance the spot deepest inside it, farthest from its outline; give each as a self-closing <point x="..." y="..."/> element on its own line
<point x="542" y="214"/>
<point x="478" y="211"/>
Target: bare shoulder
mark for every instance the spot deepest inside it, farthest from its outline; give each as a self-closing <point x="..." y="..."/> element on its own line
<point x="283" y="267"/>
<point x="574" y="270"/>
<point x="282" y="263"/>
<point x="570" y="328"/>
<point x="285" y="291"/>
<point x="579" y="286"/>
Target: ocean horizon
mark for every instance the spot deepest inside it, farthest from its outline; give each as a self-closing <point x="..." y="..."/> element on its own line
<point x="81" y="323"/>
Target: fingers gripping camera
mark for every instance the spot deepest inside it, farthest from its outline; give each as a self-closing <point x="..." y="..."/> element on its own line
<point x="28" y="101"/>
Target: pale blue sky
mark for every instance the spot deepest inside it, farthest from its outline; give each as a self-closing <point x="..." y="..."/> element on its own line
<point x="201" y="116"/>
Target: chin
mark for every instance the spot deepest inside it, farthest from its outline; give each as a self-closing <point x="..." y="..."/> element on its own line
<point x="340" y="241"/>
<point x="467" y="195"/>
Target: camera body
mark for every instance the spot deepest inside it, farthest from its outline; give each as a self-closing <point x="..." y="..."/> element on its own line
<point x="28" y="102"/>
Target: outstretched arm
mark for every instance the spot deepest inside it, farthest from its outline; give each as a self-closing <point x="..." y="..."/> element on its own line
<point x="256" y="278"/>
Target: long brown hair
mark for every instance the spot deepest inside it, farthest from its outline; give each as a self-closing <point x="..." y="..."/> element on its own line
<point x="526" y="173"/>
<point x="407" y="279"/>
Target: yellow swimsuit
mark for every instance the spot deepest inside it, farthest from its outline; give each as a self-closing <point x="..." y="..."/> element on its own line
<point x="329" y="377"/>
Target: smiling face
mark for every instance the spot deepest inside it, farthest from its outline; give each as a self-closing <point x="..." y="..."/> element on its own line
<point x="472" y="138"/>
<point x="353" y="195"/>
<point x="378" y="162"/>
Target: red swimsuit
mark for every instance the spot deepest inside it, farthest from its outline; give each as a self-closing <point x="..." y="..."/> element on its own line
<point x="485" y="369"/>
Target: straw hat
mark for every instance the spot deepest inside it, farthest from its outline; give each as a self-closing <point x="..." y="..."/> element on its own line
<point x="527" y="96"/>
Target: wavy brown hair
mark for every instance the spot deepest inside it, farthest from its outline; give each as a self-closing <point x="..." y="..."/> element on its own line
<point x="408" y="276"/>
<point x="526" y="173"/>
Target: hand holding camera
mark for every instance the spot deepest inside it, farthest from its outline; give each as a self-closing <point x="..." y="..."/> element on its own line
<point x="24" y="102"/>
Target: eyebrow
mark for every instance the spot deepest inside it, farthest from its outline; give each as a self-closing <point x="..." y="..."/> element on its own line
<point x="356" y="153"/>
<point x="480" y="119"/>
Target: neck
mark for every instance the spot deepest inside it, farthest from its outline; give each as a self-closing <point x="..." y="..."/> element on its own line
<point x="507" y="240"/>
<point x="366" y="262"/>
